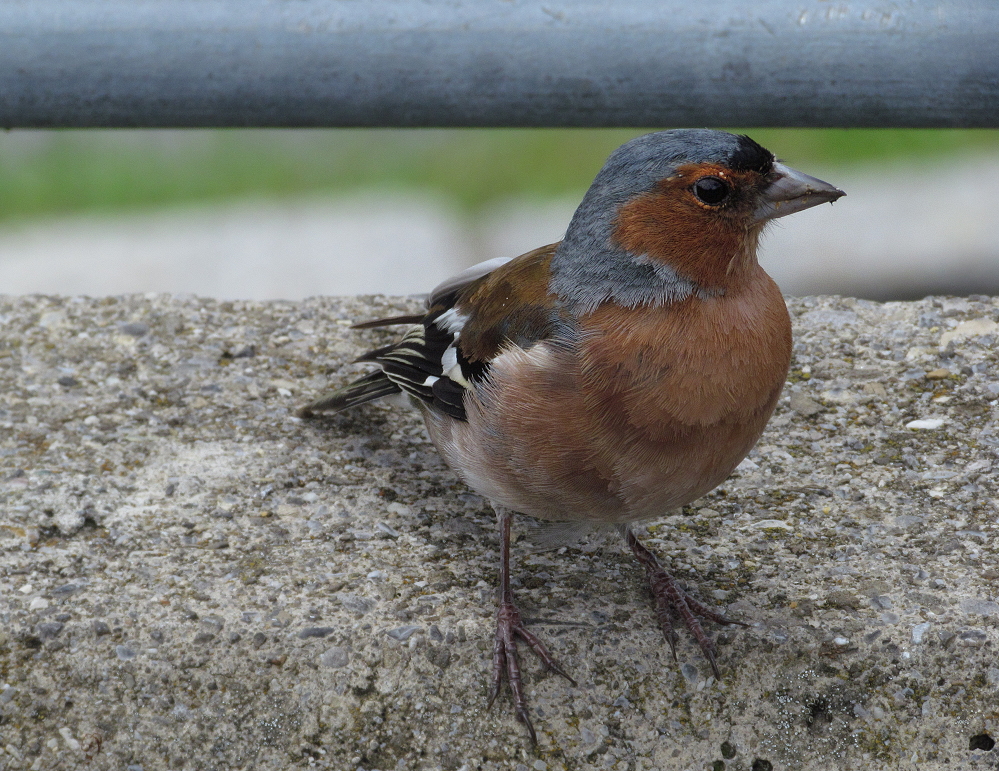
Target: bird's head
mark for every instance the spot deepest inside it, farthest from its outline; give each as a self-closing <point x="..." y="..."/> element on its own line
<point x="680" y="212"/>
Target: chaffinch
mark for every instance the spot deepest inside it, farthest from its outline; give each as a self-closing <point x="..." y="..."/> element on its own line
<point x="618" y="374"/>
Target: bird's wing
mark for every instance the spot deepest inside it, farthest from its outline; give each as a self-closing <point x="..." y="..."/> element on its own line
<point x="443" y="294"/>
<point x="470" y="317"/>
<point x="449" y="289"/>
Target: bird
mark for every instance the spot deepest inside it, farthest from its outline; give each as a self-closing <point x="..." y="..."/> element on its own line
<point x="615" y="375"/>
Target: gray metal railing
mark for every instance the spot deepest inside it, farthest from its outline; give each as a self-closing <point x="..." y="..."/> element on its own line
<point x="152" y="63"/>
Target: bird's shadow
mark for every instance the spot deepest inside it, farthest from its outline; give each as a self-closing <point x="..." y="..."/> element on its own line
<point x="362" y="420"/>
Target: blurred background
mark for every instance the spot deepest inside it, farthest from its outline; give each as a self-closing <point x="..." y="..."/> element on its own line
<point x="267" y="214"/>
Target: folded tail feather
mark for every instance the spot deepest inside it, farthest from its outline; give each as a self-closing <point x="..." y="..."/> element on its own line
<point x="372" y="386"/>
<point x="388" y="322"/>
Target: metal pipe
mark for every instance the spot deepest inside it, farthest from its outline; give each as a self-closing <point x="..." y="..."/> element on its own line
<point x="78" y="63"/>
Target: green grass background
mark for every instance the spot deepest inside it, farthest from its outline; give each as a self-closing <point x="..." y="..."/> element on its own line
<point x="60" y="172"/>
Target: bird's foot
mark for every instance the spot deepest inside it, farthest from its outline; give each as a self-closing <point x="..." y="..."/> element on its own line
<point x="509" y="626"/>
<point x="671" y="602"/>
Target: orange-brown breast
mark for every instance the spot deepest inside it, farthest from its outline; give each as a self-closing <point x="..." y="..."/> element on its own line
<point x="691" y="363"/>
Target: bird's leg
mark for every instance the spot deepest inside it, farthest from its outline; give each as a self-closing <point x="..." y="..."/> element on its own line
<point x="671" y="601"/>
<point x="509" y="626"/>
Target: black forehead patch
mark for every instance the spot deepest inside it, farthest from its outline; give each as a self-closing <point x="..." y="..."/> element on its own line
<point x="751" y="156"/>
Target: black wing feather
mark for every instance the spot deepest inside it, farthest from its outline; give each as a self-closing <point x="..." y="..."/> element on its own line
<point x="414" y="365"/>
<point x="388" y="322"/>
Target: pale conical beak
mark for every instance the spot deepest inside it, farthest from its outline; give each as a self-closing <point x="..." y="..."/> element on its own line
<point x="791" y="191"/>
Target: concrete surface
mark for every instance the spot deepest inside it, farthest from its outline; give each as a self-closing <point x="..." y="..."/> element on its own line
<point x="192" y="578"/>
<point x="902" y="232"/>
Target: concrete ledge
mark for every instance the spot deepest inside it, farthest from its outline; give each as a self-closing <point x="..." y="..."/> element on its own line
<point x="192" y="578"/>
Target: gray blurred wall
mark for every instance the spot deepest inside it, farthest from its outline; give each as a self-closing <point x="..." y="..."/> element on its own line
<point x="902" y="232"/>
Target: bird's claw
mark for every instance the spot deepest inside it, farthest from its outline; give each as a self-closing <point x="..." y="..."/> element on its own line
<point x="509" y="627"/>
<point x="671" y="602"/>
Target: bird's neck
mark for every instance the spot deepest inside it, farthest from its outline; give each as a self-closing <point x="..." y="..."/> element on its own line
<point x="587" y="272"/>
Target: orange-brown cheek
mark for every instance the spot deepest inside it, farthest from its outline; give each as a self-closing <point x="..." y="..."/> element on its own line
<point x="667" y="224"/>
<point x="695" y="242"/>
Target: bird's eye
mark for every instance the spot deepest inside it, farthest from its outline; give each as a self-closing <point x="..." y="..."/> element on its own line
<point x="711" y="190"/>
